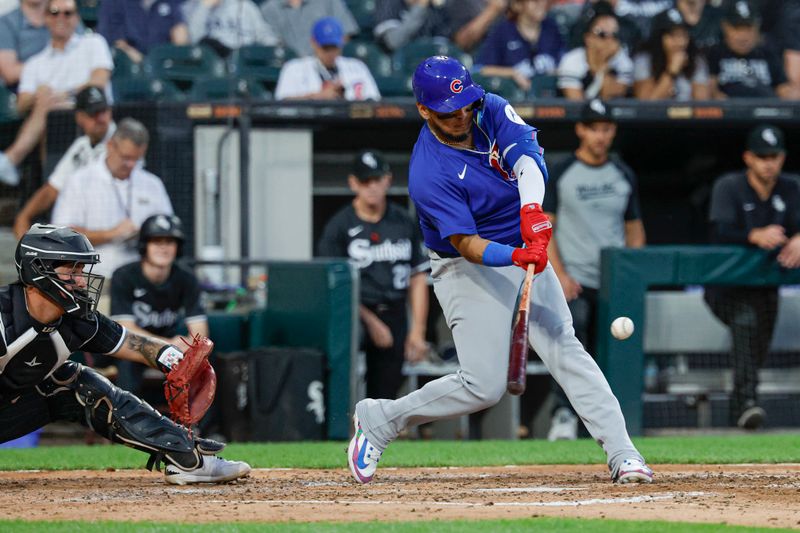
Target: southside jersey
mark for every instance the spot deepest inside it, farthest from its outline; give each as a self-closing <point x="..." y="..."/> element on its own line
<point x="158" y="309"/>
<point x="387" y="253"/>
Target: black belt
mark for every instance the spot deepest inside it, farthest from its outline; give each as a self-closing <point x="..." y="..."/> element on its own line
<point x="445" y="255"/>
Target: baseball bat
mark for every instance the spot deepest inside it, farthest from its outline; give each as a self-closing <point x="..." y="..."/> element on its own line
<point x="518" y="351"/>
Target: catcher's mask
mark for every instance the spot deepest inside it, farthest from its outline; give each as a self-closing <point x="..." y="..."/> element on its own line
<point x="43" y="249"/>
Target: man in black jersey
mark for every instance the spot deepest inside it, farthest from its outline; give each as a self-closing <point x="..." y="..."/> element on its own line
<point x="381" y="239"/>
<point x="155" y="296"/>
<point x="759" y="207"/>
<point x="50" y="313"/>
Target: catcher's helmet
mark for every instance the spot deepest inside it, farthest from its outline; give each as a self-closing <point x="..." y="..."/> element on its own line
<point x="42" y="249"/>
<point x="160" y="226"/>
<point x="443" y="84"/>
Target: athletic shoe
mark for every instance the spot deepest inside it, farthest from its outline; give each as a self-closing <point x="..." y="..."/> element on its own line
<point x="634" y="470"/>
<point x="564" y="425"/>
<point x="752" y="418"/>
<point x="213" y="470"/>
<point x="362" y="457"/>
<point x="8" y="172"/>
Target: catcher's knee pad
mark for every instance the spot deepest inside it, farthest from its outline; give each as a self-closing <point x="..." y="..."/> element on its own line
<point x="122" y="417"/>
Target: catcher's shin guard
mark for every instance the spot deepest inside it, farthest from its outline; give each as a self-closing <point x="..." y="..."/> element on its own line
<point x="122" y="417"/>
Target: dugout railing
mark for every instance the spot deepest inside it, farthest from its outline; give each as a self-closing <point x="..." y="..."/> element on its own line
<point x="626" y="277"/>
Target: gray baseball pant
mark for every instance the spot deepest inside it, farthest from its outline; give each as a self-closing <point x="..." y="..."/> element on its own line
<point x="478" y="303"/>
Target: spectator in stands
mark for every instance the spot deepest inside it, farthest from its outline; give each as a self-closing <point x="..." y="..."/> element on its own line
<point x="70" y="61"/>
<point x="122" y="196"/>
<point x="781" y="28"/>
<point x="326" y="75"/>
<point x="26" y="140"/>
<point x="385" y="244"/>
<point x="704" y="21"/>
<point x="93" y="116"/>
<point x="227" y="25"/>
<point x="592" y="201"/>
<point x="669" y="66"/>
<point x="292" y="20"/>
<point x="464" y="22"/>
<point x="155" y="296"/>
<point x="527" y="44"/>
<point x="630" y="36"/>
<point x="6" y="6"/>
<point x="740" y="66"/>
<point x="599" y="69"/>
<point x="136" y="26"/>
<point x="23" y="34"/>
<point x="757" y="207"/>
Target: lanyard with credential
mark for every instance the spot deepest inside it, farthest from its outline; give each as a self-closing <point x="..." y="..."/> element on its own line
<point x="125" y="206"/>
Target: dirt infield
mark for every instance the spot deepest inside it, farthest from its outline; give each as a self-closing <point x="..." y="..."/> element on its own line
<point x="756" y="495"/>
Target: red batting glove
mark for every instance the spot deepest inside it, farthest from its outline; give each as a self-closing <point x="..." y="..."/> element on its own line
<point x="535" y="227"/>
<point x="536" y="255"/>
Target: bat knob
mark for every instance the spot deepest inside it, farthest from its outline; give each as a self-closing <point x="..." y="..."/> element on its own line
<point x="515" y="388"/>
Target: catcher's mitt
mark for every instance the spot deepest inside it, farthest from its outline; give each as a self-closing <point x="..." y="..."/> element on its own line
<point x="192" y="383"/>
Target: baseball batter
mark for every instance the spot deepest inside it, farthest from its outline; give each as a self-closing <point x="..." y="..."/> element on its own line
<point x="477" y="177"/>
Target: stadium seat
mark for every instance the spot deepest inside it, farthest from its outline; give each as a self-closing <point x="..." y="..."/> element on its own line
<point x="394" y="85"/>
<point x="408" y="57"/>
<point x="144" y="90"/>
<point x="183" y="65"/>
<point x="262" y="63"/>
<point x="379" y="63"/>
<point x="364" y="13"/>
<point x="215" y="89"/>
<point x="8" y="104"/>
<point x="505" y="87"/>
<point x="88" y="10"/>
<point x="544" y="86"/>
<point x="124" y="67"/>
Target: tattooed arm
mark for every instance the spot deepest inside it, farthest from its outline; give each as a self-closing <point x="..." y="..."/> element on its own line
<point x="141" y="349"/>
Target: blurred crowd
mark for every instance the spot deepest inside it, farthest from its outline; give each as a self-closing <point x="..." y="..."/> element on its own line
<point x="366" y="49"/>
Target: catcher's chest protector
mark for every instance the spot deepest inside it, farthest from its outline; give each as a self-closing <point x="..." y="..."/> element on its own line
<point x="28" y="356"/>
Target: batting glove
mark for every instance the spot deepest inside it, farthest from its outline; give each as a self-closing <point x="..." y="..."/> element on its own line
<point x="535" y="227"/>
<point x="535" y="255"/>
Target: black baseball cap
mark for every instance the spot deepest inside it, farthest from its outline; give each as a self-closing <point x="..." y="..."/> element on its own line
<point x="765" y="140"/>
<point x="370" y="164"/>
<point x="595" y="110"/>
<point x="666" y="21"/>
<point x="91" y="100"/>
<point x="741" y="13"/>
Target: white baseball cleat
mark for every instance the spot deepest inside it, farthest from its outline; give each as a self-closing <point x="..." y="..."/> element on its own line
<point x="634" y="470"/>
<point x="8" y="172"/>
<point x="213" y="470"/>
<point x="564" y="425"/>
<point x="362" y="457"/>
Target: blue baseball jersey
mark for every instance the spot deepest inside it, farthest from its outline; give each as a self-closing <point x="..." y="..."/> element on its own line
<point x="472" y="192"/>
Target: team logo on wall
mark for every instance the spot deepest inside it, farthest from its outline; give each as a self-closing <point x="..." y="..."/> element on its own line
<point x="456" y="86"/>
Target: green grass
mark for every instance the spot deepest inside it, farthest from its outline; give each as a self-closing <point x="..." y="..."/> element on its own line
<point x="783" y="448"/>
<point x="561" y="525"/>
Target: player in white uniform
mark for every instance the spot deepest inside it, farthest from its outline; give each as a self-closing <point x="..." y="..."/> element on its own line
<point x="474" y="164"/>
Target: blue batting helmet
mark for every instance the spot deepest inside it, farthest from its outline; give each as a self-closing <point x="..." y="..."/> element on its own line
<point x="443" y="84"/>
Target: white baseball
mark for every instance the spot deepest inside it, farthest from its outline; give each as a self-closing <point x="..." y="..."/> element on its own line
<point x="622" y="328"/>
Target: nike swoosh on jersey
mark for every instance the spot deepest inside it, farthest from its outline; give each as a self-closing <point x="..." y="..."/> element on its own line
<point x="462" y="173"/>
<point x="138" y="293"/>
<point x="352" y="232"/>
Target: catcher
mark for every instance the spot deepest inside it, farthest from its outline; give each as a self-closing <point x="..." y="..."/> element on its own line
<point x="51" y="313"/>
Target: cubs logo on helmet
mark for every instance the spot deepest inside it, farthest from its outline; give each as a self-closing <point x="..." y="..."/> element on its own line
<point x="444" y="85"/>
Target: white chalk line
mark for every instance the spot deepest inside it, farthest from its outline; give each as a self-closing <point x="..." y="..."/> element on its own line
<point x="406" y="503"/>
<point x="533" y="489"/>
